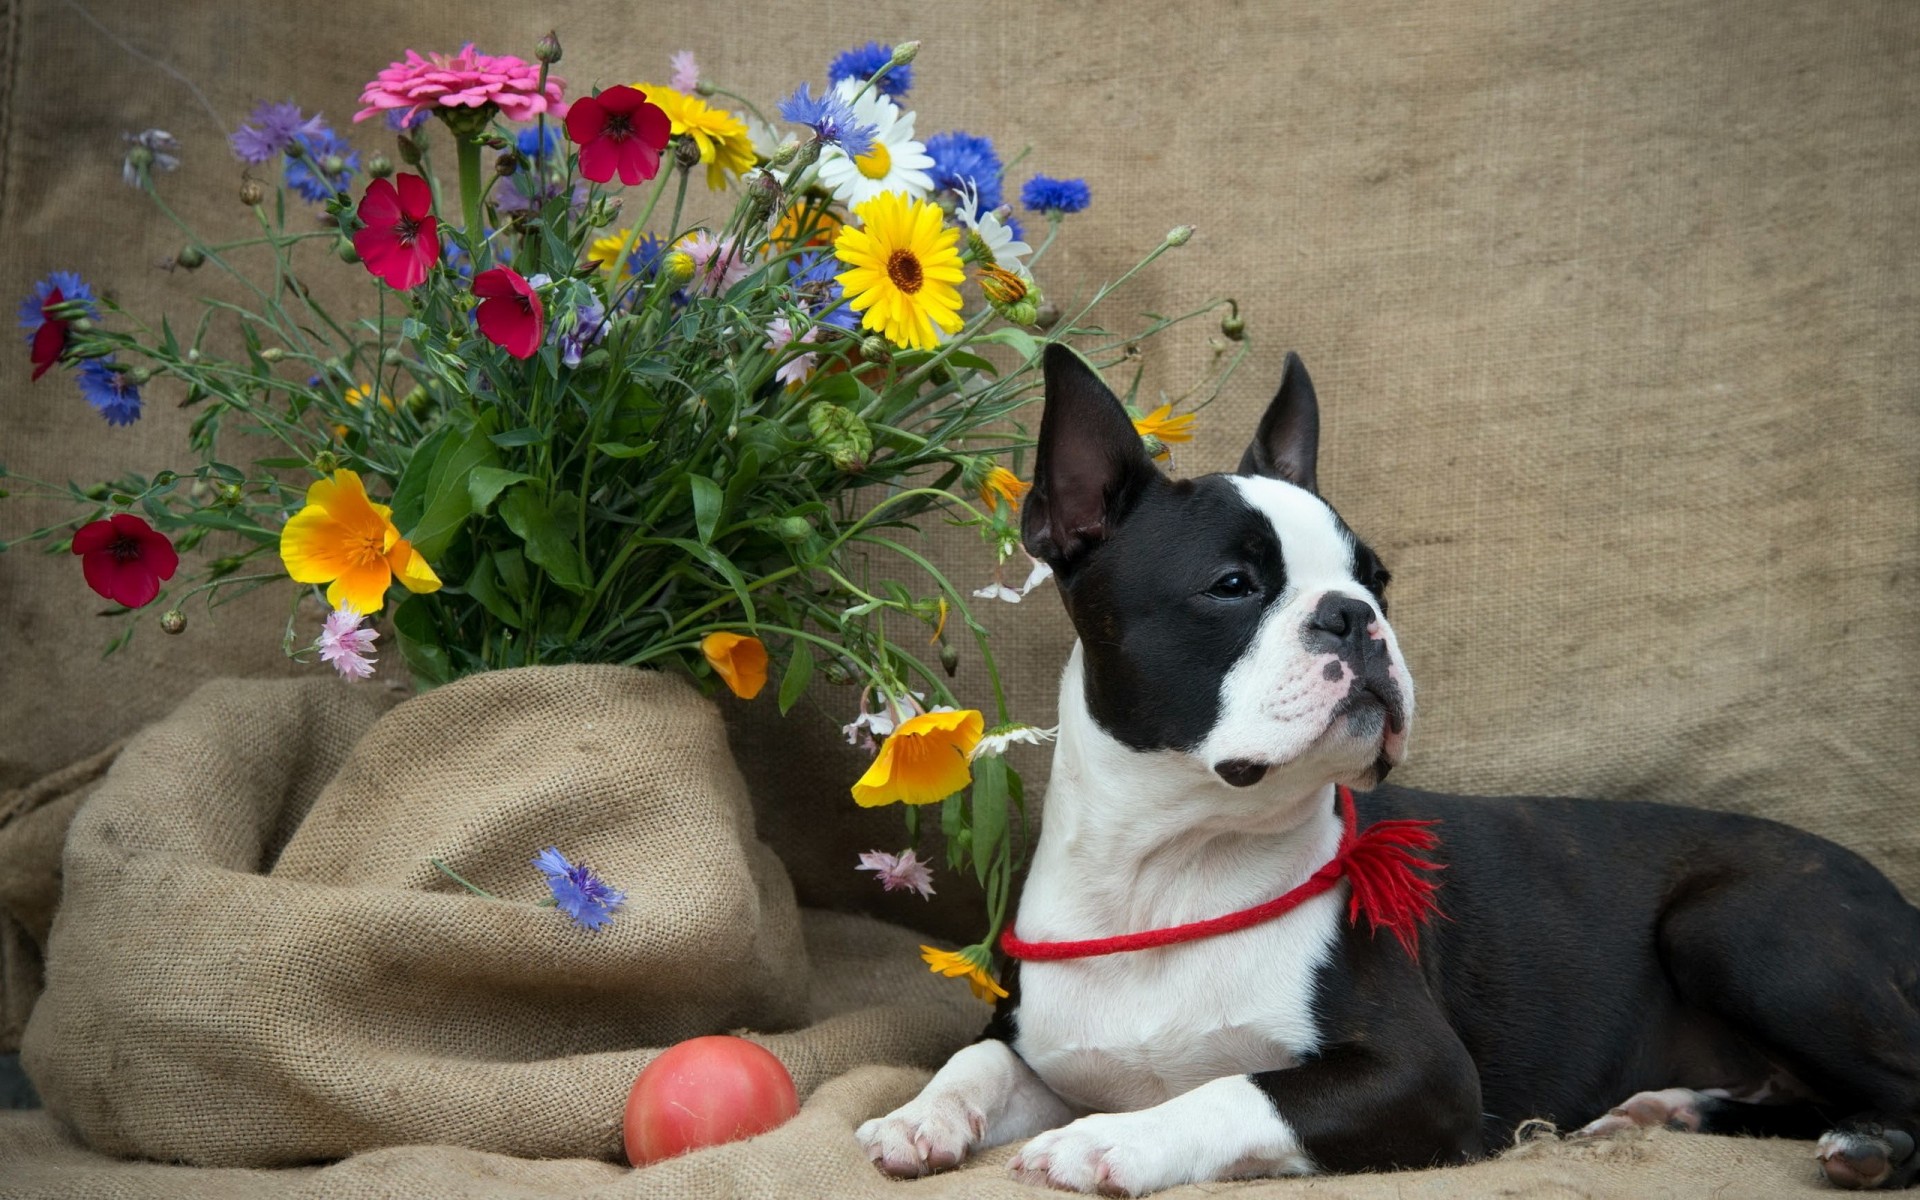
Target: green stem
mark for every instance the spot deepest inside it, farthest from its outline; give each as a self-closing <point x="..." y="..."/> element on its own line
<point x="450" y="873"/>
<point x="468" y="150"/>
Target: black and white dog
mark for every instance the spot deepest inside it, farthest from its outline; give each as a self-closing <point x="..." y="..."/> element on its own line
<point x="1600" y="965"/>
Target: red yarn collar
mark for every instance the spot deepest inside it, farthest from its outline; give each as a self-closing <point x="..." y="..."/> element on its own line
<point x="1379" y="864"/>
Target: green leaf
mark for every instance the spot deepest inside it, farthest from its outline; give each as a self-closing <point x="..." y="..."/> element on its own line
<point x="793" y="684"/>
<point x="547" y="541"/>
<point x="448" y="503"/>
<point x="972" y="362"/>
<point x="420" y="644"/>
<point x="989" y="812"/>
<point x="483" y="584"/>
<point x="741" y="482"/>
<point x="953" y="823"/>
<point x="486" y="484"/>
<point x="232" y="522"/>
<point x="1020" y="340"/>
<point x="512" y="567"/>
<point x="622" y="450"/>
<point x="410" y="493"/>
<point x="519" y="437"/>
<point x="708" y="501"/>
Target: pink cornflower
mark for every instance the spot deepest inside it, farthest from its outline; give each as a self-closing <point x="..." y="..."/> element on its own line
<point x="347" y="646"/>
<point x="795" y="370"/>
<point x="421" y="84"/>
<point x="717" y="263"/>
<point x="686" y="72"/>
<point x="899" y="872"/>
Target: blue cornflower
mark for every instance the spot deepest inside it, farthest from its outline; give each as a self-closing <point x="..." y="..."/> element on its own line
<point x="527" y="141"/>
<point x="814" y="272"/>
<point x="960" y="158"/>
<point x="643" y="261"/>
<point x="308" y="174"/>
<point x="860" y="63"/>
<point x="403" y="120"/>
<point x="112" y="395"/>
<point x="577" y="891"/>
<point x="814" y="268"/>
<point x="71" y="288"/>
<point x="1044" y="195"/>
<point x="270" y="129"/>
<point x="830" y="119"/>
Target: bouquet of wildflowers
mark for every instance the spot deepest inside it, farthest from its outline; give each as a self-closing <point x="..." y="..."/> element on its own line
<point x="647" y="381"/>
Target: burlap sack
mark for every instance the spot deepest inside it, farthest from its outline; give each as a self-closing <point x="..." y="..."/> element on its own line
<point x="255" y="963"/>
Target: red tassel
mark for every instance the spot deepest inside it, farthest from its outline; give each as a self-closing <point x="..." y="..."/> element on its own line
<point x="1381" y="869"/>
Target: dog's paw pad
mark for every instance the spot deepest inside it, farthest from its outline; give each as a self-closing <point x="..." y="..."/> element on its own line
<point x="1862" y="1158"/>
<point x="1673" y="1108"/>
<point x="920" y="1139"/>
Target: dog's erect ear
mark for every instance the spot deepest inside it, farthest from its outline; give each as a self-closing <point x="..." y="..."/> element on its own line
<point x="1090" y="467"/>
<point x="1289" y="436"/>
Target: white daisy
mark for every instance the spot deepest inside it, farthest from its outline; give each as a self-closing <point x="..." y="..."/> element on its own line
<point x="999" y="740"/>
<point x="896" y="163"/>
<point x="996" y="590"/>
<point x="992" y="228"/>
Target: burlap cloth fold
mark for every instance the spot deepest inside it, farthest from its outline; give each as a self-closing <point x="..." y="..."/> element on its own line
<point x="254" y="962"/>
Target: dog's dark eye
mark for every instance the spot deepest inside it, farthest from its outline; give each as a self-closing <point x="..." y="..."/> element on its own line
<point x="1234" y="585"/>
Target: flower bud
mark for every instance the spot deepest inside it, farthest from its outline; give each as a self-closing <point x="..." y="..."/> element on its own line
<point x="409" y="150"/>
<point x="326" y="462"/>
<point x="1001" y="286"/>
<point x="139" y="157"/>
<point x="703" y="88"/>
<point x="344" y="248"/>
<point x="295" y="149"/>
<point x="97" y="492"/>
<point x="875" y="349"/>
<point x="417" y="401"/>
<point x="783" y="154"/>
<point x="392" y="357"/>
<point x="1047" y="315"/>
<point x="229" y="495"/>
<point x="251" y="193"/>
<point x="685" y="152"/>
<point x="379" y="165"/>
<point x="1026" y="312"/>
<point x="547" y="49"/>
<point x="165" y="477"/>
<point x="506" y="164"/>
<point x="1233" y="327"/>
<point x="949" y="659"/>
<point x="1179" y="235"/>
<point x="81" y="325"/>
<point x="604" y="211"/>
<point x="173" y="621"/>
<point x="905" y="53"/>
<point x="793" y="529"/>
<point x="333" y="164"/>
<point x="837" y="674"/>
<point x="272" y="354"/>
<point x="676" y="269"/>
<point x="190" y="257"/>
<point x="220" y="568"/>
<point x="136" y="376"/>
<point x="841" y="435"/>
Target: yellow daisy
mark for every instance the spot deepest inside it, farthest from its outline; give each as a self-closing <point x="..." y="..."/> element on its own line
<point x="1005" y="485"/>
<point x="923" y="761"/>
<point x="904" y="270"/>
<point x="970" y="963"/>
<point x="722" y="137"/>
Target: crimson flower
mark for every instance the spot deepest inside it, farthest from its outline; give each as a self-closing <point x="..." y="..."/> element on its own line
<point x="399" y="237"/>
<point x="509" y="312"/>
<point x="619" y="132"/>
<point x="124" y="558"/>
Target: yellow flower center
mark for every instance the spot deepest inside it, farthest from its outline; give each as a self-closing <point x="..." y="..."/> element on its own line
<point x="875" y="163"/>
<point x="366" y="547"/>
<point x="903" y="267"/>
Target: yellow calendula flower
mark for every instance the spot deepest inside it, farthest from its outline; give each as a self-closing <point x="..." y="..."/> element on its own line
<point x="1003" y="484"/>
<point x="970" y="963"/>
<point x="346" y="541"/>
<point x="904" y="270"/>
<point x="1002" y="286"/>
<point x="1162" y="424"/>
<point x="820" y="229"/>
<point x="738" y="659"/>
<point x="722" y="137"/>
<point x="923" y="761"/>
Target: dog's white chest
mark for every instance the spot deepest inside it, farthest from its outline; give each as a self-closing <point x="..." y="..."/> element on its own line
<point x="1126" y="1031"/>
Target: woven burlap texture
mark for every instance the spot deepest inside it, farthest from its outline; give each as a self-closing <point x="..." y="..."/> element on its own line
<point x="255" y="963"/>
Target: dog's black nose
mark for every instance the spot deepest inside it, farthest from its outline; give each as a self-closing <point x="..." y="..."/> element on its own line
<point x="1342" y="618"/>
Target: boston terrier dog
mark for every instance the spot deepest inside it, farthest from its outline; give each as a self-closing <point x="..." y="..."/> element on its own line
<point x="1199" y="988"/>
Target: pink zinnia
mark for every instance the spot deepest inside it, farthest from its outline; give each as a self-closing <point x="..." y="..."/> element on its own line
<point x="124" y="558"/>
<point x="901" y="872"/>
<point x="468" y="79"/>
<point x="347" y="646"/>
<point x="619" y="133"/>
<point x="509" y="314"/>
<point x="686" y="72"/>
<point x="399" y="238"/>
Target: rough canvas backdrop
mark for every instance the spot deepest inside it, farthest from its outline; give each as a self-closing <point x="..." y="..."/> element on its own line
<point x="1612" y="309"/>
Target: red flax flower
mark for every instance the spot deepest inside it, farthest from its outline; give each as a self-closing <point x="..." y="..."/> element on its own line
<point x="125" y="558"/>
<point x="509" y="313"/>
<point x="619" y="132"/>
<point x="399" y="237"/>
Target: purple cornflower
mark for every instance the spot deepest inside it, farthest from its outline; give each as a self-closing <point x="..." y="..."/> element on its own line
<point x="404" y="120"/>
<point x="861" y="62"/>
<point x="830" y="119"/>
<point x="686" y="72"/>
<point x="1044" y="195"/>
<point x="270" y="129"/>
<point x="314" y="174"/>
<point x="960" y="158"/>
<point x="581" y="332"/>
<point x="110" y="392"/>
<point x="577" y="891"/>
<point x="344" y="644"/>
<point x="152" y="152"/>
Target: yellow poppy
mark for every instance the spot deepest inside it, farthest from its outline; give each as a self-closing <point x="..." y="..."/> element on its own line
<point x="1005" y="485"/>
<point x="923" y="761"/>
<point x="903" y="271"/>
<point x="968" y="962"/>
<point x="1160" y="423"/>
<point x="740" y="660"/>
<point x="721" y="137"/>
<point x="346" y="541"/>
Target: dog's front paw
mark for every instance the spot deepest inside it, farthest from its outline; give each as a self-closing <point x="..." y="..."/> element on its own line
<point x="923" y="1136"/>
<point x="1114" y="1154"/>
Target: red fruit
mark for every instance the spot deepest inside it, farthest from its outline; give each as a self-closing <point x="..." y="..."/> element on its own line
<point x="619" y="132"/>
<point x="124" y="558"/>
<point x="509" y="314"/>
<point x="400" y="239"/>
<point x="704" y="1092"/>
